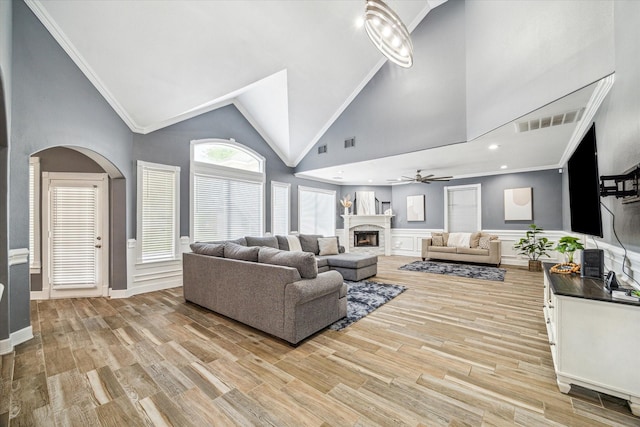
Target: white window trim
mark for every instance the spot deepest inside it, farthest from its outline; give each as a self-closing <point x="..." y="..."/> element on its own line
<point x="141" y="165"/>
<point x="446" y="204"/>
<point x="35" y="266"/>
<point x="287" y="186"/>
<point x="316" y="190"/>
<point x="223" y="172"/>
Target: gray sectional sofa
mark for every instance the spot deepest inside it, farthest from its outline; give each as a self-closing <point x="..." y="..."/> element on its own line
<point x="259" y="282"/>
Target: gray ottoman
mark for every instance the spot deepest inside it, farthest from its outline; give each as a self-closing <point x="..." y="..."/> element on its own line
<point x="354" y="267"/>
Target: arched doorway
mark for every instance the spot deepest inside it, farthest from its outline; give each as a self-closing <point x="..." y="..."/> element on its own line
<point x="92" y="227"/>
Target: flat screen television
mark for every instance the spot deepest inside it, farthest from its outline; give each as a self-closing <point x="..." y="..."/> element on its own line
<point x="584" y="187"/>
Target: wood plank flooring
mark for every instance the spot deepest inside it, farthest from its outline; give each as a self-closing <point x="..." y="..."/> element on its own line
<point x="447" y="352"/>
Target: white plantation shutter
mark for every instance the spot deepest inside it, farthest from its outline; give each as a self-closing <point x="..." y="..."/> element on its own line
<point x="225" y="208"/>
<point x="158" y="214"/>
<point x="74" y="228"/>
<point x="317" y="211"/>
<point x="280" y="208"/>
<point x="463" y="208"/>
<point x="34" y="212"/>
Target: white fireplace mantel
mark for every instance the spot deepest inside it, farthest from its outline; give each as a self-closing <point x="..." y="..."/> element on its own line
<point x="383" y="221"/>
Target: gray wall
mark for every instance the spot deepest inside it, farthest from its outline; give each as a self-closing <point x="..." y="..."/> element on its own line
<point x="405" y="110"/>
<point x="53" y="104"/>
<point x="547" y="200"/>
<point x="523" y="54"/>
<point x="5" y="129"/>
<point x="171" y="146"/>
<point x="617" y="126"/>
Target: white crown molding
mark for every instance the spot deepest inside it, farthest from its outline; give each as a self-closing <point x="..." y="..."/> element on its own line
<point x="49" y="23"/>
<point x="18" y="256"/>
<point x="600" y="92"/>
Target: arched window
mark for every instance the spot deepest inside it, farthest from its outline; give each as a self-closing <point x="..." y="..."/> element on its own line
<point x="227" y="190"/>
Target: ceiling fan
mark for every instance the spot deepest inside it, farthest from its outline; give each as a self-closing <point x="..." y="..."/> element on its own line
<point x="427" y="179"/>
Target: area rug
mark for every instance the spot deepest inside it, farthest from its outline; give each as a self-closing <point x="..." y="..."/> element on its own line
<point x="364" y="297"/>
<point x="460" y="270"/>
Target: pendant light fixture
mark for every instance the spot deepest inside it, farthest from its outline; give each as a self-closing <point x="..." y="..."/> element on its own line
<point x="388" y="33"/>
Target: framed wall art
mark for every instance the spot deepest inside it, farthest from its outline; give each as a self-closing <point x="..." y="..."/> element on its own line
<point x="518" y="204"/>
<point x="415" y="208"/>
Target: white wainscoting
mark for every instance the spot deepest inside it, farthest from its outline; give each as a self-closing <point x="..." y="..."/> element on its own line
<point x="613" y="256"/>
<point x="142" y="278"/>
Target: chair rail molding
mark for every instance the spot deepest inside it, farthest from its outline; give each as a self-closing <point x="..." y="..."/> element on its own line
<point x="18" y="256"/>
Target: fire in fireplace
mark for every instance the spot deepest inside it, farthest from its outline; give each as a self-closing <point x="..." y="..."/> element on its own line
<point x="365" y="238"/>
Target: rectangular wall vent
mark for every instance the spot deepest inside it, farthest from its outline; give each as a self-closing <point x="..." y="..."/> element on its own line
<point x="350" y="142"/>
<point x="322" y="149"/>
<point x="549" y="121"/>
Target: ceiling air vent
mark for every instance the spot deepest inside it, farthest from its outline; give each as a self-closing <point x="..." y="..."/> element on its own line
<point x="549" y="121"/>
<point x="350" y="142"/>
<point x="322" y="149"/>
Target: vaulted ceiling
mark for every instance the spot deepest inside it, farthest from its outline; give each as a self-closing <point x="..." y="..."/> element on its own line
<point x="291" y="67"/>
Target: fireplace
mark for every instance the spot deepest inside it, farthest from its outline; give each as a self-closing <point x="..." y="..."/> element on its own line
<point x="365" y="238"/>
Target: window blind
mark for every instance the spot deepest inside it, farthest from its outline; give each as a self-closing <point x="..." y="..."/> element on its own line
<point x="32" y="214"/>
<point x="280" y="208"/>
<point x="224" y="208"/>
<point x="74" y="230"/>
<point x="159" y="222"/>
<point x="316" y="211"/>
<point x="463" y="209"/>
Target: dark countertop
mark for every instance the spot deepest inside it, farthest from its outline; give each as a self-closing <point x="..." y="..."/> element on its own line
<point x="572" y="285"/>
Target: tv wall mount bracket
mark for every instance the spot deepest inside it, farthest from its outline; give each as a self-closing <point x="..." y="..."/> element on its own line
<point x="622" y="186"/>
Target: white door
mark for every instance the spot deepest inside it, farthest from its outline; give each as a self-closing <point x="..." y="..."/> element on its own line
<point x="75" y="222"/>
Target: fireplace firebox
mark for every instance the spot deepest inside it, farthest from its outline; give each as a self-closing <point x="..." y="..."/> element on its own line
<point x="365" y="238"/>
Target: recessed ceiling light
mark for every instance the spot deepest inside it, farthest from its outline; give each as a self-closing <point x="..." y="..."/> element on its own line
<point x="370" y="180"/>
<point x="503" y="167"/>
<point x="340" y="172"/>
<point x="493" y="147"/>
<point x="359" y="22"/>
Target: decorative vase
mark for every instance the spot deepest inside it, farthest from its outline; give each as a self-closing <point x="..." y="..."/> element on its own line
<point x="346" y="210"/>
<point x="535" y="265"/>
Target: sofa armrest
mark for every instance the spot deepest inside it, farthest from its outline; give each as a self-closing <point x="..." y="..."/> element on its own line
<point x="495" y="247"/>
<point x="305" y="290"/>
<point x="425" y="246"/>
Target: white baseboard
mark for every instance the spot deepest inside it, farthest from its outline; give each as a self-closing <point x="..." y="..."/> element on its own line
<point x="39" y="295"/>
<point x="15" y="338"/>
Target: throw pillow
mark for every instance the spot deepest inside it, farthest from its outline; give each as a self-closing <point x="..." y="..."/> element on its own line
<point x="294" y="243"/>
<point x="483" y="242"/>
<point x="475" y="240"/>
<point x="459" y="240"/>
<point x="244" y="253"/>
<point x="304" y="262"/>
<point x="328" y="246"/>
<point x="309" y="243"/>
<point x="210" y="249"/>
<point x="283" y="243"/>
<point x="268" y="241"/>
<point x="437" y="241"/>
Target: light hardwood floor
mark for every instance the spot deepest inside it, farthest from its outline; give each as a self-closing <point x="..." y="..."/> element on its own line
<point x="448" y="351"/>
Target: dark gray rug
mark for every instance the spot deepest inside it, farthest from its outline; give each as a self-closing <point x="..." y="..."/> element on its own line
<point x="460" y="270"/>
<point x="364" y="297"/>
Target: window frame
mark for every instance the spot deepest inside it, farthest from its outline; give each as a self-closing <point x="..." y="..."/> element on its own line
<point x="35" y="260"/>
<point x="316" y="190"/>
<point x="478" y="189"/>
<point x="141" y="166"/>
<point x="225" y="172"/>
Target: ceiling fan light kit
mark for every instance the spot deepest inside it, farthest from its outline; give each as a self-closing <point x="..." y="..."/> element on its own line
<point x="387" y="32"/>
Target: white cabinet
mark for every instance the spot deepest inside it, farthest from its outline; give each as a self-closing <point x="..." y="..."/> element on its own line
<point x="595" y="342"/>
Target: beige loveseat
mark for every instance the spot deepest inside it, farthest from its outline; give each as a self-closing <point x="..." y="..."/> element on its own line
<point x="483" y="248"/>
<point x="278" y="292"/>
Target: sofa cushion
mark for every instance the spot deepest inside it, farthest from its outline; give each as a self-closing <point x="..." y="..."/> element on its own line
<point x="322" y="261"/>
<point x="484" y="242"/>
<point x="437" y="241"/>
<point x="352" y="260"/>
<point x="444" y="235"/>
<point x="244" y="253"/>
<point x="474" y="241"/>
<point x="309" y="243"/>
<point x="473" y="251"/>
<point x="446" y="249"/>
<point x="268" y="241"/>
<point x="304" y="262"/>
<point x="289" y="242"/>
<point x="459" y="240"/>
<point x="327" y="246"/>
<point x="211" y="249"/>
<point x="239" y="241"/>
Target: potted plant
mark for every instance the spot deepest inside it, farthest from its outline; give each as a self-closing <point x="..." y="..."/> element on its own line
<point x="534" y="246"/>
<point x="567" y="245"/>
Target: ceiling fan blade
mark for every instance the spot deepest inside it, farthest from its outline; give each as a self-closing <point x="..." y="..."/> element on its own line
<point x="427" y="177"/>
